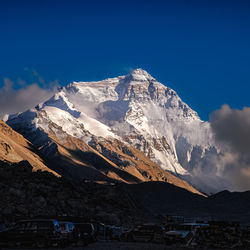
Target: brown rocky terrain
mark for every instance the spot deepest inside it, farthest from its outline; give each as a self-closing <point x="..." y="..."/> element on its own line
<point x="14" y="148"/>
<point x="137" y="164"/>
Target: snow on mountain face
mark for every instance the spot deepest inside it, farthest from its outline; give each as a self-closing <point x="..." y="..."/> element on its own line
<point x="134" y="108"/>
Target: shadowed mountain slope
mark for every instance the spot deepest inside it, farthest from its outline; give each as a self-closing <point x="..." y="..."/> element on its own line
<point x="14" y="148"/>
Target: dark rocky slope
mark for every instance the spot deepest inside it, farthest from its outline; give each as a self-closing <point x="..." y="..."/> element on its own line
<point x="25" y="193"/>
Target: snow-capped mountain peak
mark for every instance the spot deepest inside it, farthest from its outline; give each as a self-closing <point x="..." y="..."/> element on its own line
<point x="134" y="108"/>
<point x="140" y="75"/>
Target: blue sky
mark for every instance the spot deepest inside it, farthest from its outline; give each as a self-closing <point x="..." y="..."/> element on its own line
<point x="201" y="49"/>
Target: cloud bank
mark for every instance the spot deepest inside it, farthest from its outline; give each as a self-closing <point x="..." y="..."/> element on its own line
<point x="231" y="128"/>
<point x="13" y="100"/>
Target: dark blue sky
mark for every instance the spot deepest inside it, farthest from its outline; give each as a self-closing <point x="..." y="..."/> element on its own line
<point x="201" y="49"/>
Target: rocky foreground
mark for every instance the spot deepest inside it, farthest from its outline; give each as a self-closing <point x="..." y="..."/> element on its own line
<point x="25" y="193"/>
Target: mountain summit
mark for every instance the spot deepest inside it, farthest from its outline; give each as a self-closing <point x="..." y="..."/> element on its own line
<point x="141" y="74"/>
<point x="134" y="109"/>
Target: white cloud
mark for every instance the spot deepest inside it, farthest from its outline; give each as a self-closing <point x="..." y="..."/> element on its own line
<point x="17" y="100"/>
<point x="231" y="129"/>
